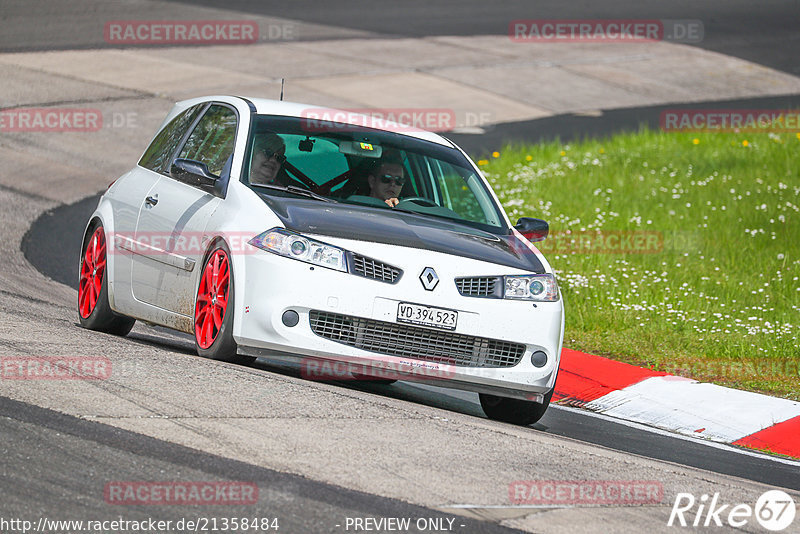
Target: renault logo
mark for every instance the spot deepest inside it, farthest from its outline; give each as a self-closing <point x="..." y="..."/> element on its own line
<point x="429" y="278"/>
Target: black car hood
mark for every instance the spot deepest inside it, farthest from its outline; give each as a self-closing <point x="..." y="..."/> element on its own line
<point x="404" y="229"/>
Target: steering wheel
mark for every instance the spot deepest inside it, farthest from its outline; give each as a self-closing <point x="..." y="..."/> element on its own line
<point x="419" y="200"/>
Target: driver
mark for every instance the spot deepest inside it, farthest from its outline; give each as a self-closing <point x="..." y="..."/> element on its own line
<point x="269" y="155"/>
<point x="386" y="180"/>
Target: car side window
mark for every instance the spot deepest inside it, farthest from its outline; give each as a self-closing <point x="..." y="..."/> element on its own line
<point x="211" y="141"/>
<point x="455" y="195"/>
<point x="158" y="155"/>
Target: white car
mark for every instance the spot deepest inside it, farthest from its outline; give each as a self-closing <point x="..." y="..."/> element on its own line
<point x="380" y="252"/>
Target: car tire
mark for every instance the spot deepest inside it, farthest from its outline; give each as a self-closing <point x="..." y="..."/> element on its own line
<point x="94" y="311"/>
<point x="514" y="411"/>
<point x="214" y="308"/>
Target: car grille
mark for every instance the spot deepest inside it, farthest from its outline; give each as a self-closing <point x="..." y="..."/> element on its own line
<point x="369" y="268"/>
<point x="413" y="342"/>
<point x="479" y="286"/>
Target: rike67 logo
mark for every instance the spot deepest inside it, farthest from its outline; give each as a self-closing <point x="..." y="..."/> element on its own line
<point x="774" y="510"/>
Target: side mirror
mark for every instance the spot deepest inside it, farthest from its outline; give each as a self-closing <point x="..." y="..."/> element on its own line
<point x="193" y="173"/>
<point x="533" y="229"/>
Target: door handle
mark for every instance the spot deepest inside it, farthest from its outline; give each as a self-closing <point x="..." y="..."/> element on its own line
<point x="151" y="201"/>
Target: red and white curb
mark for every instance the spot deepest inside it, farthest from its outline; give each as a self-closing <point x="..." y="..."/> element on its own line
<point x="678" y="404"/>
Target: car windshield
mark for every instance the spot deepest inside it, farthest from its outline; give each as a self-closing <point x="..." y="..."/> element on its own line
<point x="365" y="166"/>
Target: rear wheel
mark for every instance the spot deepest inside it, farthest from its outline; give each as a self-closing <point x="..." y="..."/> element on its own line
<point x="93" y="308"/>
<point x="213" y="310"/>
<point x="515" y="411"/>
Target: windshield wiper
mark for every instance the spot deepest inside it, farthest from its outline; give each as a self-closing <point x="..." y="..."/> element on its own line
<point x="406" y="210"/>
<point x="296" y="191"/>
<point x="396" y="209"/>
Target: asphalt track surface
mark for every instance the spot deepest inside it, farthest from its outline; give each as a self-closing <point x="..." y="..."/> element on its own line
<point x="34" y="436"/>
<point x="765" y="32"/>
<point x="299" y="504"/>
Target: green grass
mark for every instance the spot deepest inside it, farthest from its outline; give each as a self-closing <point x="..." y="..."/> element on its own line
<point x="718" y="299"/>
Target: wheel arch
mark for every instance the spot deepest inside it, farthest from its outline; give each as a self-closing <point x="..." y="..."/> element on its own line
<point x="210" y="247"/>
<point x="232" y="314"/>
<point x="103" y="215"/>
<point x="238" y="267"/>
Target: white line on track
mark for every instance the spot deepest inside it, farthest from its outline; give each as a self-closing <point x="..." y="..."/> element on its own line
<point x="514" y="506"/>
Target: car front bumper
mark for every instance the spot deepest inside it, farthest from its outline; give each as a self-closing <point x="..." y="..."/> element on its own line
<point x="352" y="320"/>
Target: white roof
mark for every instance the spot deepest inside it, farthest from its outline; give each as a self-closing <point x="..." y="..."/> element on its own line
<point x="265" y="106"/>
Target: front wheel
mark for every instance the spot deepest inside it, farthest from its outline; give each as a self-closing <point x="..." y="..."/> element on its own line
<point x="514" y="411"/>
<point x="213" y="310"/>
<point x="94" y="311"/>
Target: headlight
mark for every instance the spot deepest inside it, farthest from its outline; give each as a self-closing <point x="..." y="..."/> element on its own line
<point x="539" y="287"/>
<point x="301" y="248"/>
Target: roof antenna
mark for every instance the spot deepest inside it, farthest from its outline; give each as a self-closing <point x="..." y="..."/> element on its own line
<point x="282" y="80"/>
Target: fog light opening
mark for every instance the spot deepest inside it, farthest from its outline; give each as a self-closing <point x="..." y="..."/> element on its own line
<point x="539" y="359"/>
<point x="290" y="318"/>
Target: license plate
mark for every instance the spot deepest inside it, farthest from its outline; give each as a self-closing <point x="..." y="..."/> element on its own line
<point x="427" y="316"/>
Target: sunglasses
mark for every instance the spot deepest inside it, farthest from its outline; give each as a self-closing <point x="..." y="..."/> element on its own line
<point x="280" y="158"/>
<point x="389" y="178"/>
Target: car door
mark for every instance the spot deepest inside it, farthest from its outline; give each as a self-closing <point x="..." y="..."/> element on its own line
<point x="128" y="195"/>
<point x="170" y="230"/>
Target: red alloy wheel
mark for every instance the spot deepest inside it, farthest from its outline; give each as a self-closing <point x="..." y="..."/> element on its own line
<point x="212" y="299"/>
<point x="92" y="269"/>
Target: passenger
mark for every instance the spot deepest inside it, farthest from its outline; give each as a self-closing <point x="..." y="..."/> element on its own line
<point x="386" y="181"/>
<point x="269" y="154"/>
